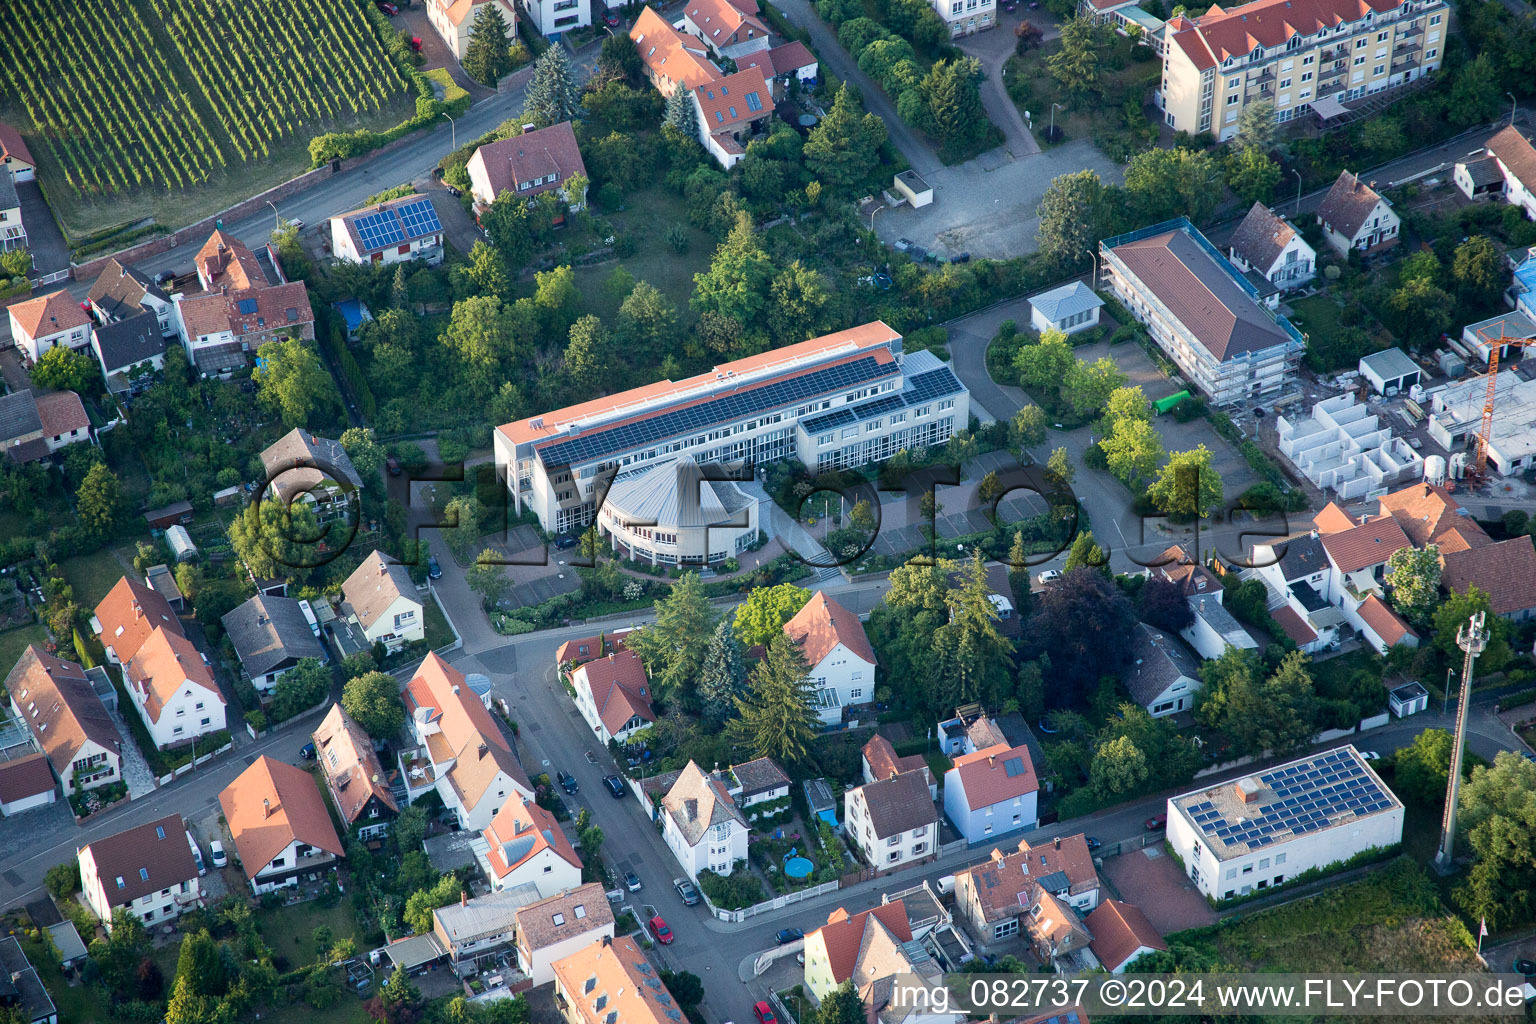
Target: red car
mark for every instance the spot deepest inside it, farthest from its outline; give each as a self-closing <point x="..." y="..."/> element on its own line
<point x="764" y="1013"/>
<point x="661" y="931"/>
<point x="387" y="7"/>
<point x="416" y="43"/>
<point x="611" y="19"/>
<point x="1156" y="822"/>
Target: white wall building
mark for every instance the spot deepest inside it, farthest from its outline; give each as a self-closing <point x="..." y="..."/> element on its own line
<point x="1268" y="245"/>
<point x="280" y="826"/>
<point x="40" y="323"/>
<point x="386" y="606"/>
<point x="992" y="792"/>
<point x="614" y="696"/>
<point x="893" y="821"/>
<point x="526" y="846"/>
<point x="1258" y="831"/>
<point x="453" y="20"/>
<point x="679" y="513"/>
<point x="554" y="928"/>
<point x="966" y="17"/>
<point x="553" y="17"/>
<point x="1355" y="217"/>
<point x="173" y="690"/>
<point x="1344" y="447"/>
<point x="701" y="824"/>
<point x="146" y="870"/>
<point x="395" y="231"/>
<point x="1070" y="308"/>
<point x="838" y="652"/>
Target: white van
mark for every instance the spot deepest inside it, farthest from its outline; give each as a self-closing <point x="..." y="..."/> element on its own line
<point x="946" y="885"/>
<point x="197" y="854"/>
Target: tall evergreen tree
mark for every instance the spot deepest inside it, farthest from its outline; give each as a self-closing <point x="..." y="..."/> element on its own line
<point x="954" y="101"/>
<point x="974" y="656"/>
<point x="673" y="647"/>
<point x="736" y="283"/>
<point x="843" y="149"/>
<point x="552" y="94"/>
<point x="488" y="57"/>
<point x="724" y="678"/>
<point x="681" y="115"/>
<point x="777" y="720"/>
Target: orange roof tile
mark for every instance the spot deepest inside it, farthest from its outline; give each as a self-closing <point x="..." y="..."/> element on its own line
<point x="442" y="688"/>
<point x="350" y="765"/>
<point x="24" y="777"/>
<point x="1384" y="622"/>
<point x="673" y="56"/>
<point x="1370" y="543"/>
<point x="883" y="762"/>
<point x="612" y="982"/>
<point x="225" y="260"/>
<point x="165" y="663"/>
<point x="996" y="774"/>
<point x="1237" y="31"/>
<point x="13" y="145"/>
<point x="1294" y="625"/>
<point x="823" y="624"/>
<point x="61" y="412"/>
<point x="60" y="706"/>
<point x="1427" y="512"/>
<point x="521" y="830"/>
<point x="734" y="100"/>
<point x="1333" y="519"/>
<point x="1119" y="930"/>
<point x="1515" y="152"/>
<point x="129" y="613"/>
<point x="49" y="314"/>
<point x="620" y="689"/>
<point x="587" y="648"/>
<point x="720" y="22"/>
<point x="844" y="935"/>
<point x="271" y="804"/>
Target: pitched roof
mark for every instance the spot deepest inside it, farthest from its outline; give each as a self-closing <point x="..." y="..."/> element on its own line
<point x="119" y="290"/>
<point x="1370" y="543"/>
<point x="49" y="314"/>
<point x="532" y="155"/>
<point x="822" y="624"/>
<point x="1262" y="236"/>
<point x="18" y="415"/>
<point x="129" y="613"/>
<point x="760" y="775"/>
<point x="1119" y="930"/>
<point x="587" y="648"/>
<point x="676" y="56"/>
<point x="883" y="762"/>
<point x="1002" y="884"/>
<point x="13" y="145"/>
<point x="9" y="200"/>
<point x="375" y="585"/>
<point x="843" y="935"/>
<point x="522" y="829"/>
<point x="439" y="691"/>
<point x="563" y="915"/>
<point x="243" y="311"/>
<point x="1506" y="571"/>
<point x="465" y="923"/>
<point x="267" y="631"/>
<point x="166" y="662"/>
<point x="1333" y="519"/>
<point x="1236" y="31"/>
<point x="995" y="774"/>
<point x="718" y="20"/>
<point x="403" y="220"/>
<point x="1158" y="660"/>
<point x="59" y="412"/>
<point x="60" y="706"/>
<point x="351" y="767"/>
<point x="1515" y="152"/>
<point x="125" y="343"/>
<point x="1201" y="294"/>
<point x="1347" y="205"/>
<point x="476" y="765"/>
<point x="225" y="261"/>
<point x="1191" y="577"/>
<point x="1294" y="625"/>
<point x="271" y="804"/>
<point x="300" y="461"/>
<point x="23" y="777"/>
<point x="1384" y="622"/>
<point x="898" y="804"/>
<point x="697" y="802"/>
<point x="147" y="857"/>
<point x="676" y="495"/>
<point x="1064" y="301"/>
<point x="1427" y="512"/>
<point x="611" y="982"/>
<point x="619" y="689"/>
<point x="734" y="100"/>
<point x="781" y="60"/>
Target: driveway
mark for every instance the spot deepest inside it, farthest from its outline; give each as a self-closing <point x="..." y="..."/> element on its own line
<point x="413" y="20"/>
<point x="44" y="240"/>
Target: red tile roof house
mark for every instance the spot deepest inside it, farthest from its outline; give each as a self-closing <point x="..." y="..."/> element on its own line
<point x="221" y="330"/>
<point x="992" y="792"/>
<point x="1514" y="159"/>
<point x="40" y="323"/>
<point x="833" y="951"/>
<point x="671" y="58"/>
<point x="730" y="111"/>
<point x="14" y="154"/>
<point x="992" y="895"/>
<point x="524" y="844"/>
<point x="528" y="165"/>
<point x="146" y="870"/>
<point x="726" y="29"/>
<point x="173" y="690"/>
<point x="1121" y="933"/>
<point x="878" y="760"/>
<point x="34" y="426"/>
<point x="614" y="696"/>
<point x="280" y="825"/>
<point x="839" y="656"/>
<point x="589" y="648"/>
<point x="1355" y="216"/>
<point x="25" y="782"/>
<point x="67" y="720"/>
<point x="127" y="615"/>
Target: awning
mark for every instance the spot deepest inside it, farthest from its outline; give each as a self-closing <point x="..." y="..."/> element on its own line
<point x="1328" y="108"/>
<point x="416" y="951"/>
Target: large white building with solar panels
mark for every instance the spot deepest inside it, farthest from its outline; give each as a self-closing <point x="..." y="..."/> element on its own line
<point x="391" y="232"/>
<point x="1257" y="831"/>
<point x="834" y="402"/>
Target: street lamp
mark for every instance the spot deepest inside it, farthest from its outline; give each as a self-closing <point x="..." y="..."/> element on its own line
<point x="1095" y="257"/>
<point x="453" y="131"/>
<point x="1298" y="191"/>
<point x="1514" y="107"/>
<point x="1445" y="703"/>
<point x="872" y="213"/>
<point x="1051" y="135"/>
<point x="277" y="222"/>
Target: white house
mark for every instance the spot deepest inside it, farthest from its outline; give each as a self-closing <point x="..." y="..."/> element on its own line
<point x="1356" y="218"/>
<point x="758" y="787"/>
<point x="1070" y="308"/>
<point x="701" y="824"/>
<point x="554" y="928"/>
<point x="26" y="783"/>
<point x="146" y="870"/>
<point x="966" y="17"/>
<point x="381" y="600"/>
<point x="835" y="646"/>
<point x="280" y="825"/>
<point x="551" y="18"/>
<point x="893" y="821"/>
<point x="356" y="781"/>
<point x="1121" y="934"/>
<point x="1268" y="245"/>
<point x="477" y="932"/>
<point x="729" y="111"/>
<point x="1256" y="832"/>
<point x="1379" y="625"/>
<point x="878" y="760"/>
<point x="173" y="690"/>
<point x="525" y="845"/>
<point x="453" y="20"/>
<point x="833" y="951"/>
<point x="1390" y="371"/>
<point x="130" y="352"/>
<point x="13" y="231"/>
<point x="614" y="696"/>
<point x="395" y="231"/>
<point x="40" y="323"/>
<point x="991" y="792"/>
<point x="1507" y="168"/>
<point x="1162" y="676"/>
<point x="121" y="293"/>
<point x="14" y="155"/>
<point x="527" y="165"/>
<point x="1214" y="629"/>
<point x="728" y="30"/>
<point x="66" y="718"/>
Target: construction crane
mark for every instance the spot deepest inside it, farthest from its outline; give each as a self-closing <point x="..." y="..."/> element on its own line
<point x="1485" y="433"/>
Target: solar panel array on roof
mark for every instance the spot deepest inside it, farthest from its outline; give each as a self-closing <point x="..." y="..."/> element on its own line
<point x="921" y="387"/>
<point x="1310" y="796"/>
<point x="379" y="229"/>
<point x="704" y="415"/>
<point x="419" y="218"/>
<point x="247" y="306"/>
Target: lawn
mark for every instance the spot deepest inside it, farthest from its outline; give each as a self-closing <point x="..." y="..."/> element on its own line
<point x="289" y="930"/>
<point x="14" y="641"/>
<point x="92" y="575"/>
<point x="646" y="216"/>
<point x="1111" y="116"/>
<point x="1332" y="674"/>
<point x="438" y="632"/>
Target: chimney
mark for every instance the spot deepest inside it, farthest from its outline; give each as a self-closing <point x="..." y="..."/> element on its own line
<point x="991" y="760"/>
<point x="138" y="613"/>
<point x="266" y="808"/>
<point x="462" y="898"/>
<point x="610" y="657"/>
<point x="1248" y="790"/>
<point x="1314" y="533"/>
<point x="484" y="750"/>
<point x="1057" y="843"/>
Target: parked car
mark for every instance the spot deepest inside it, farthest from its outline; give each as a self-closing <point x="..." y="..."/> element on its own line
<point x="685" y="889"/>
<point x="632" y="881"/>
<point x="764" y="1013"/>
<point x="1156" y="823"/>
<point x="611" y="19"/>
<point x="197" y="854"/>
<point x="416" y="43"/>
<point x="1049" y="576"/>
<point x="615" y="786"/>
<point x="1370" y="755"/>
<point x="964" y="257"/>
<point x="661" y="931"/>
<point x="434" y="571"/>
<point x="393" y="465"/>
<point x="565" y="541"/>
<point x="387" y="7"/>
<point x="1525" y="967"/>
<point x="903" y="245"/>
<point x="567" y="782"/>
<point x="788" y="935"/>
<point x="307" y="751"/>
<point x="216" y="850"/>
<point x="1093" y="844"/>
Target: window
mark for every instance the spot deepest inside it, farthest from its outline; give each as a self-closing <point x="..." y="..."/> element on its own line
<point x="1285" y="83"/>
<point x="1306" y="76"/>
<point x="855" y="694"/>
<point x="1435" y="20"/>
<point x="1279" y="859"/>
<point x="1381" y="37"/>
<point x="1430" y="54"/>
<point x="143" y="874"/>
<point x="893" y="840"/>
<point x="1247" y="869"/>
<point x="1360" y="60"/>
<point x="120" y="882"/>
<point x="1232" y="99"/>
<point x="1378" y="69"/>
<point x="1361" y="42"/>
<point x="1003" y="929"/>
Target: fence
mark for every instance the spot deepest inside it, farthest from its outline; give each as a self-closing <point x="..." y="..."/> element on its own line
<point x="778" y="902"/>
<point x="458" y="639"/>
<point x="57" y="275"/>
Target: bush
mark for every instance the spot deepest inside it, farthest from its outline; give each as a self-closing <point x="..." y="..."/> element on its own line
<point x="63" y="880"/>
<point x="732" y="892"/>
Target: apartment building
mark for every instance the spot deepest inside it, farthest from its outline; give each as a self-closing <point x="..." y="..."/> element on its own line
<point x="834" y="402"/>
<point x="1201" y="311"/>
<point x="966" y="17"/>
<point x="1300" y="55"/>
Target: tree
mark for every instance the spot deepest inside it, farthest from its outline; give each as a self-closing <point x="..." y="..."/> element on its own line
<point x="619" y="60"/>
<point x="552" y="95"/>
<point x="367" y="455"/>
<point x="1118" y="768"/>
<point x="1453" y="614"/>
<point x="99" y="499"/>
<point x="487" y="57"/>
<point x="1085" y="622"/>
<point x="1163" y="605"/>
<point x="486" y="577"/>
<point x="1060" y="463"/>
<point x="736" y="283"/>
<point x="972" y="656"/>
<point x="15" y="262"/>
<point x="1475" y="96"/>
<point x="1275" y="714"/>
<point x="798" y="302"/>
<point x="1126" y="404"/>
<point x="1188" y="486"/>
<point x="685" y="987"/>
<point x="723" y="679"/>
<point x="776" y="718"/>
<point x="300" y="688"/>
<point x="557" y="299"/>
<point x="373" y="701"/>
<point x="63" y="880"/>
<point x="1413" y="576"/>
<point x="420" y="904"/>
<point x="588" y="355"/>
<point x="510" y="228"/>
<point x="955" y="112"/>
<point x="862" y="517"/>
<point x="1089" y="385"/>
<point x="1497" y="821"/>
<point x="1419" y="311"/>
<point x="844" y="148"/>
<point x="673" y="647"/>
<point x="842" y="1006"/>
<point x="1133" y="450"/>
<point x="1422" y="768"/>
<point x="292" y="382"/>
<point x="1476" y="270"/>
<point x="463" y="512"/>
<point x="1074" y="215"/>
<point x="1384" y="136"/>
<point x="681" y="114"/>
<point x="1085" y="553"/>
<point x="485" y="272"/>
<point x="647" y="323"/>
<point x="118" y="955"/>
<point x="1164" y="183"/>
<point x="1029" y="426"/>
<point x="762" y="615"/>
<point x="63" y="369"/>
<point x="1080" y="61"/>
<point x="1046" y="364"/>
<point x="1252" y="174"/>
<point x="1256" y="126"/>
